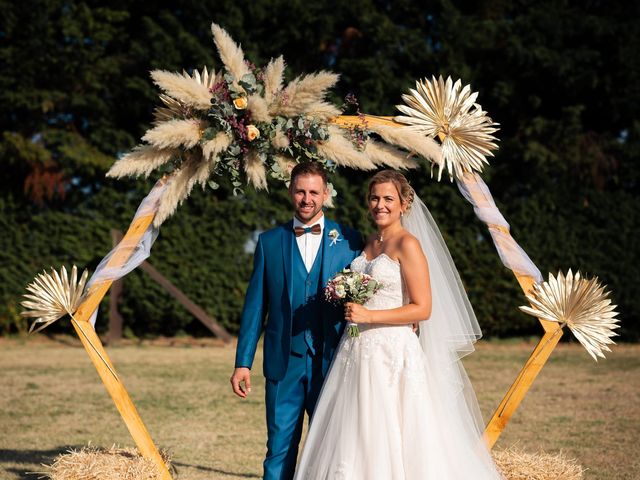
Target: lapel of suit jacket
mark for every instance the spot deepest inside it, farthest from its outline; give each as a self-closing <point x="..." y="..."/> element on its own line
<point x="329" y="252"/>
<point x="287" y="257"/>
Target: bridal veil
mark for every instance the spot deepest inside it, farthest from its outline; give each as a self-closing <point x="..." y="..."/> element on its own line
<point x="446" y="337"/>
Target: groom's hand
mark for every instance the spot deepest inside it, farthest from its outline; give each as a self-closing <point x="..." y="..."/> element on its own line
<point x="240" y="375"/>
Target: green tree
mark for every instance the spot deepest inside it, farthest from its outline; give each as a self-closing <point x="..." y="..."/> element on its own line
<point x="560" y="77"/>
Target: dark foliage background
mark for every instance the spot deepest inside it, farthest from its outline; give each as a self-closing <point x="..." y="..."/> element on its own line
<point x="562" y="78"/>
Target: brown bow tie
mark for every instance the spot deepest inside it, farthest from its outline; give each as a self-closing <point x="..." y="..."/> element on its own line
<point x="315" y="230"/>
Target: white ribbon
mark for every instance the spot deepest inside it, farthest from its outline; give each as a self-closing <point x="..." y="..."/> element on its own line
<point x="512" y="255"/>
<point x="135" y="252"/>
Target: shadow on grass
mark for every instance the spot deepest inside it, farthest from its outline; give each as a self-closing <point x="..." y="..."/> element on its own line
<point x="32" y="460"/>
<point x="215" y="470"/>
<point x="31" y="463"/>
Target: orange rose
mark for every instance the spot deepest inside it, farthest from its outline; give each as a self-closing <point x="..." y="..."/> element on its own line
<point x="240" y="103"/>
<point x="252" y="132"/>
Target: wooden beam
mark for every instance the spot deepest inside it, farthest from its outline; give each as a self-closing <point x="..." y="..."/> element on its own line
<point x="349" y="121"/>
<point x="197" y="311"/>
<point x="119" y="394"/>
<point x="537" y="359"/>
<point x="101" y="361"/>
<point x="522" y="384"/>
<point x="215" y="328"/>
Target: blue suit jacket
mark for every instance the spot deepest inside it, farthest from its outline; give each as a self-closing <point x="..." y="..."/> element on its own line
<point x="270" y="291"/>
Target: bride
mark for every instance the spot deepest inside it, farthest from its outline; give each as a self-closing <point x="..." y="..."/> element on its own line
<point x="397" y="403"/>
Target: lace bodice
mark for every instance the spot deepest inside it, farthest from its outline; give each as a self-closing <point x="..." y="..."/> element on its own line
<point x="387" y="272"/>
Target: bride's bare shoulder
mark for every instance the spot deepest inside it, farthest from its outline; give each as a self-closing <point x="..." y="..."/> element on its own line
<point x="409" y="248"/>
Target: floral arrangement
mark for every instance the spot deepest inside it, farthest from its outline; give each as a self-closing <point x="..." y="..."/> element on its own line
<point x="349" y="286"/>
<point x="296" y="137"/>
<point x="243" y="123"/>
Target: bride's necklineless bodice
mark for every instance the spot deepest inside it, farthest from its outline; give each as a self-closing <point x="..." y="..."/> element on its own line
<point x="386" y="271"/>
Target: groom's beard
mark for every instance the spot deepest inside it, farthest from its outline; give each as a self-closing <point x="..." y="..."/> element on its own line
<point x="306" y="215"/>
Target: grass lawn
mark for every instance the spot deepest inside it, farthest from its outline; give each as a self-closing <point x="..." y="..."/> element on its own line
<point x="51" y="399"/>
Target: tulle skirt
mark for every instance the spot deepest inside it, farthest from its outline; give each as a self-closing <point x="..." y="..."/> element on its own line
<point x="376" y="418"/>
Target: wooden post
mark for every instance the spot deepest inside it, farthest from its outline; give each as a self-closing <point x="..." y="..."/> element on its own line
<point x="537" y="359"/>
<point x="120" y="397"/>
<point x="102" y="363"/>
<point x="523" y="382"/>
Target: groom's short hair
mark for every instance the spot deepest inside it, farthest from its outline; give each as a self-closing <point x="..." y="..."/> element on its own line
<point x="309" y="168"/>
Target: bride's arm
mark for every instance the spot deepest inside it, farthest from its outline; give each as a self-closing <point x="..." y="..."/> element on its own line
<point x="415" y="271"/>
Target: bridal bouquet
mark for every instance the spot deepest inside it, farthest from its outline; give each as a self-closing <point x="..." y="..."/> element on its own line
<point x="349" y="286"/>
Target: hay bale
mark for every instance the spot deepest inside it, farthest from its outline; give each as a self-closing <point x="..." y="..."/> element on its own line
<point x="516" y="464"/>
<point x="92" y="463"/>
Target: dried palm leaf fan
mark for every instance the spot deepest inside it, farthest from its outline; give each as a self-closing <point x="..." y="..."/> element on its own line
<point x="52" y="296"/>
<point x="580" y="304"/>
<point x="447" y="111"/>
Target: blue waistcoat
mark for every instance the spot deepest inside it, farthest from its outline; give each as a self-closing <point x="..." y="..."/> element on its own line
<point x="306" y="306"/>
<point x="269" y="300"/>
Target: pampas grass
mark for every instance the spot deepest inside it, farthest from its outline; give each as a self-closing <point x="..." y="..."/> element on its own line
<point x="323" y="110"/>
<point x="411" y="140"/>
<point x="217" y="144"/>
<point x="296" y="98"/>
<point x="142" y="160"/>
<point x="516" y="464"/>
<point x="201" y="173"/>
<point x="256" y="173"/>
<point x="273" y="78"/>
<point x="230" y="53"/>
<point x="179" y="187"/>
<point x="183" y="88"/>
<point x="91" y="463"/>
<point x="258" y="107"/>
<point x="314" y="85"/>
<point x="174" y="133"/>
<point x="280" y="140"/>
<point x="342" y="152"/>
<point x="286" y="164"/>
<point x="383" y="154"/>
<point x="179" y="128"/>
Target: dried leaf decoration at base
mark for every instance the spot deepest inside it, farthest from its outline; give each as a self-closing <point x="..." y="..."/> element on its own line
<point x="52" y="296"/>
<point x="580" y="304"/>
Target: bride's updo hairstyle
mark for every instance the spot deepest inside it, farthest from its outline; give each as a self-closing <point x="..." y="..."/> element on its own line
<point x="405" y="191"/>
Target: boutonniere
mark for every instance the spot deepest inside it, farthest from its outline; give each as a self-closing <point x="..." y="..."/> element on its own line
<point x="334" y="235"/>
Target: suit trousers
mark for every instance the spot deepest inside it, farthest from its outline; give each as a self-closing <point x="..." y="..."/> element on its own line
<point x="286" y="401"/>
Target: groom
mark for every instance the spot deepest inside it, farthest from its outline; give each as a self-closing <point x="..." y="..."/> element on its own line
<point x="291" y="266"/>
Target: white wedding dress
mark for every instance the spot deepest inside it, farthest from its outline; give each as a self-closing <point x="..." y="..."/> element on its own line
<point x="383" y="413"/>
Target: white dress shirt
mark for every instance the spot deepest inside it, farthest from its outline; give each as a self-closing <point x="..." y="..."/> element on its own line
<point x="309" y="244"/>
